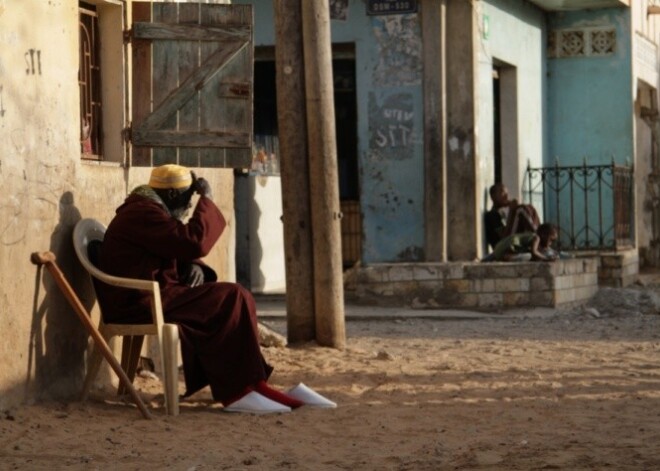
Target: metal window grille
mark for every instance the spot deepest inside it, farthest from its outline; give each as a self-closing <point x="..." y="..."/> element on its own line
<point x="591" y="205"/>
<point x="89" y="81"/>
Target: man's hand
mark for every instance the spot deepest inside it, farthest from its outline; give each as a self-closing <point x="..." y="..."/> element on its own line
<point x="195" y="276"/>
<point x="201" y="186"/>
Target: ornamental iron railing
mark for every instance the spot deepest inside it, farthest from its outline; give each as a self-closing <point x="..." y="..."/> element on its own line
<point x="591" y="205"/>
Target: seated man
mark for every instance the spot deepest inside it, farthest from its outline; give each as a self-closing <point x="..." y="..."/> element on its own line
<point x="507" y="217"/>
<point x="217" y="321"/>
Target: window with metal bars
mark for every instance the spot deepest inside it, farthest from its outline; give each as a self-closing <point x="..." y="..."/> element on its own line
<point x="89" y="80"/>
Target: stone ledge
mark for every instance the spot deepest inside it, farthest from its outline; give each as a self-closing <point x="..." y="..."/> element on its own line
<point x="476" y="285"/>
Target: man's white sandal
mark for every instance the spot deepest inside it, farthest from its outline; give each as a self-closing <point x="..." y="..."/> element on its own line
<point x="309" y="397"/>
<point x="255" y="403"/>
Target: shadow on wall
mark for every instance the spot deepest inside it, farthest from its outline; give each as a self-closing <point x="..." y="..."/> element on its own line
<point x="249" y="252"/>
<point x="58" y="341"/>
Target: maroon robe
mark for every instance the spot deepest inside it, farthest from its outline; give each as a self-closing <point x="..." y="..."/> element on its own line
<point x="217" y="321"/>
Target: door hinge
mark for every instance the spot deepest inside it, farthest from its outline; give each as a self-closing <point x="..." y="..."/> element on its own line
<point x="128" y="36"/>
<point x="127" y="133"/>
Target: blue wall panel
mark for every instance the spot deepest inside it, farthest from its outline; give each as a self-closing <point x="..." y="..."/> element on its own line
<point x="590" y="98"/>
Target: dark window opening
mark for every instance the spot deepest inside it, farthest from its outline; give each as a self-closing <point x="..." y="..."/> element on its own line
<point x="266" y="145"/>
<point x="497" y="136"/>
<point x="346" y="127"/>
<point x="266" y="156"/>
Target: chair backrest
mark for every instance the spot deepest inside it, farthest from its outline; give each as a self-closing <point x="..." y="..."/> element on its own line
<point x="94" y="251"/>
<point x="86" y="233"/>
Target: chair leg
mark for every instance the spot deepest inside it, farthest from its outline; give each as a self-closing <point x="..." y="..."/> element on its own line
<point x="93" y="366"/>
<point x="170" y="368"/>
<point x="130" y="356"/>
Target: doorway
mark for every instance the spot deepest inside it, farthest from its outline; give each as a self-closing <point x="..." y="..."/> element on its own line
<point x="505" y="126"/>
<point x="343" y="69"/>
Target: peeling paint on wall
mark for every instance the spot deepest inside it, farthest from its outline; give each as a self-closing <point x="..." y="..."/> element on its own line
<point x="459" y="142"/>
<point x="339" y="10"/>
<point x="390" y="199"/>
<point x="411" y="254"/>
<point x="453" y="143"/>
<point x="392" y="176"/>
<point x="399" y="45"/>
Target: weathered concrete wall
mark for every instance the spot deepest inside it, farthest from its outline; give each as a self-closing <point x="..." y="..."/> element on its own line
<point x="462" y="133"/>
<point x="47" y="190"/>
<point x="646" y="183"/>
<point x="42" y="344"/>
<point x="647" y="131"/>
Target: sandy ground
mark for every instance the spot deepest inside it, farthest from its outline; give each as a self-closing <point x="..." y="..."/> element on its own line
<point x="571" y="390"/>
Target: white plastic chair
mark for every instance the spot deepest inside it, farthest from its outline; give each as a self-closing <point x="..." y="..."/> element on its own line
<point x="86" y="231"/>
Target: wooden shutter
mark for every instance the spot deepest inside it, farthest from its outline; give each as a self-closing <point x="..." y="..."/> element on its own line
<point x="192" y="84"/>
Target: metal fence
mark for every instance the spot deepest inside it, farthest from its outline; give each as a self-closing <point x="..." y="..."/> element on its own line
<point x="591" y="205"/>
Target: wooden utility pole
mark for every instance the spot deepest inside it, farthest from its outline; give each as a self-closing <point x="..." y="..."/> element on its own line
<point x="433" y="18"/>
<point x="324" y="181"/>
<point x="294" y="170"/>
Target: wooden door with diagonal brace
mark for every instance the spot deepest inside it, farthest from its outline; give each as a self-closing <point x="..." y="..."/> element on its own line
<point x="192" y="84"/>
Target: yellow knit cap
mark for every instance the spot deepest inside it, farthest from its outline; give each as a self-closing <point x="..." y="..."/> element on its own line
<point x="170" y="176"/>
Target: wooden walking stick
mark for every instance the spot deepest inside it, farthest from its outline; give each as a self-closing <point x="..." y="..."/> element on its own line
<point x="48" y="259"/>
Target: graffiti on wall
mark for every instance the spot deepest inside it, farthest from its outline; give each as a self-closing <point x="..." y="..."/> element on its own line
<point x="32" y="200"/>
<point x="12" y="230"/>
<point x="33" y="62"/>
<point x="399" y="44"/>
<point x="392" y="134"/>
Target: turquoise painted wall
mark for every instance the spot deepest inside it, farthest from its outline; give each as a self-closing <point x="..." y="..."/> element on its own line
<point x="590" y="103"/>
<point x="390" y="125"/>
<point x="590" y="110"/>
